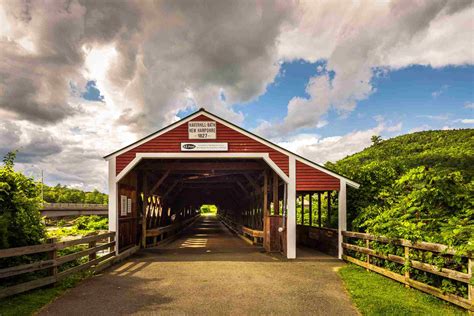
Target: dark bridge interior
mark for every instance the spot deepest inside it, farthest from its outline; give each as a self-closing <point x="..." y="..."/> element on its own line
<point x="170" y="191"/>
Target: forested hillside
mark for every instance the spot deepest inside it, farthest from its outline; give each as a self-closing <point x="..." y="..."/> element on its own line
<point x="417" y="186"/>
<point x="63" y="194"/>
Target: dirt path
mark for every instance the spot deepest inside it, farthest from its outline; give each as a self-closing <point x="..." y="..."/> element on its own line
<point x="210" y="271"/>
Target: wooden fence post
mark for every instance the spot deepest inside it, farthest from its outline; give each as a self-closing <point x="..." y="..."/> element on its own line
<point x="367" y="245"/>
<point x="92" y="244"/>
<point x="470" y="288"/>
<point x="407" y="260"/>
<point x="52" y="255"/>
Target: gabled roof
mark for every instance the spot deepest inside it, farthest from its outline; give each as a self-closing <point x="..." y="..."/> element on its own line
<point x="202" y="111"/>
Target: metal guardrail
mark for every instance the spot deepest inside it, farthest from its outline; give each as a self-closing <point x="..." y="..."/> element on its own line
<point x="73" y="206"/>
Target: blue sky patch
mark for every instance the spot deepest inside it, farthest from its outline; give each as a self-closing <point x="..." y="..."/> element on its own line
<point x="92" y="93"/>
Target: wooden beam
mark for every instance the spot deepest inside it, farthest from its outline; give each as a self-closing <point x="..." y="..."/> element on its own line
<point x="311" y="209"/>
<point x="144" y="206"/>
<point x="208" y="166"/>
<point x="170" y="189"/>
<point x="252" y="182"/>
<point x="302" y="209"/>
<point x="159" y="182"/>
<point x="329" y="209"/>
<point x="319" y="209"/>
<point x="265" y="194"/>
<point x="242" y="186"/>
<point x="276" y="204"/>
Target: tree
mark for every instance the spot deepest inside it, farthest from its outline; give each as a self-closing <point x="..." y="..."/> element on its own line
<point x="20" y="218"/>
<point x="426" y="204"/>
<point x="376" y="139"/>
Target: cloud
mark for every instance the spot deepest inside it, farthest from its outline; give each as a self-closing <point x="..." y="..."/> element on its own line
<point x="469" y="105"/>
<point x="424" y="127"/>
<point x="435" y="117"/>
<point x="360" y="40"/>
<point x="440" y="91"/>
<point x="151" y="60"/>
<point x="465" y="121"/>
<point x="32" y="144"/>
<point x="323" y="149"/>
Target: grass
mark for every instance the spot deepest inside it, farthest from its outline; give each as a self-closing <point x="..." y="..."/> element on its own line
<point x="374" y="294"/>
<point x="30" y="302"/>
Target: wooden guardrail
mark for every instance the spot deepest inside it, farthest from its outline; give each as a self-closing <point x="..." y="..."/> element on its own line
<point x="53" y="210"/>
<point x="54" y="261"/>
<point x="255" y="236"/>
<point x="161" y="234"/>
<point x="406" y="260"/>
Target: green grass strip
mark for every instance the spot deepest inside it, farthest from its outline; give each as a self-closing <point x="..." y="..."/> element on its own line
<point x="374" y="294"/>
<point x="30" y="302"/>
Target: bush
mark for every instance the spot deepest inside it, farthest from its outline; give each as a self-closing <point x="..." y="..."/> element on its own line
<point x="20" y="218"/>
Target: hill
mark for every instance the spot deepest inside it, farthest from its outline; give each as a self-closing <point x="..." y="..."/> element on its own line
<point x="414" y="186"/>
<point x="63" y="194"/>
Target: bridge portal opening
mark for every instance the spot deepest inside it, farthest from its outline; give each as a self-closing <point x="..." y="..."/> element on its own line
<point x="166" y="195"/>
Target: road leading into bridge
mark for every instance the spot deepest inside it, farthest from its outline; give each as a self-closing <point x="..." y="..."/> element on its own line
<point x="210" y="271"/>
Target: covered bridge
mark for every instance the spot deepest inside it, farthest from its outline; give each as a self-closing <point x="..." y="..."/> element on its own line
<point x="259" y="188"/>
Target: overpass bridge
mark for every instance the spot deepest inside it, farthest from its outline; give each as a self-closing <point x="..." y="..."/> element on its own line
<point x="52" y="210"/>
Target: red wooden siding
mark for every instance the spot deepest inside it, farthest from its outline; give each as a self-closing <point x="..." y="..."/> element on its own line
<point x="311" y="179"/>
<point x="171" y="142"/>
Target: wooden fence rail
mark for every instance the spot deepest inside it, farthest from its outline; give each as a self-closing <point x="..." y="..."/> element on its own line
<point x="406" y="260"/>
<point x="52" y="260"/>
<point x="253" y="235"/>
<point x="162" y="234"/>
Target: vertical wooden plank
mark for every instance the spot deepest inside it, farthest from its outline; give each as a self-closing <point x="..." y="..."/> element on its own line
<point x="92" y="256"/>
<point x="265" y="194"/>
<point x="329" y="209"/>
<point x="52" y="255"/>
<point x="319" y="210"/>
<point x="144" y="209"/>
<point x="470" y="289"/>
<point x="302" y="209"/>
<point x="276" y="204"/>
<point x="367" y="245"/>
<point x="407" y="272"/>
<point x="310" y="209"/>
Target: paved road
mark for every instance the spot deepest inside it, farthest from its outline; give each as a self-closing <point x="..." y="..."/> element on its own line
<point x="209" y="271"/>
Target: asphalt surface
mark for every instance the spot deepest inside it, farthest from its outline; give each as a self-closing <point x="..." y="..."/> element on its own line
<point x="210" y="271"/>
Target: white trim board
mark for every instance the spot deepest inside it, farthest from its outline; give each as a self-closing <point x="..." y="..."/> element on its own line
<point x="238" y="129"/>
<point x="188" y="155"/>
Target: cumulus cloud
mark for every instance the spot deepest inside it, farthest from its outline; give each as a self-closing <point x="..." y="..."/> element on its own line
<point x="32" y="143"/>
<point x="324" y="149"/>
<point x="360" y="40"/>
<point x="150" y="60"/>
<point x="469" y="105"/>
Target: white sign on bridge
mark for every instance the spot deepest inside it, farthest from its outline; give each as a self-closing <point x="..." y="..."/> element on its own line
<point x="202" y="130"/>
<point x="204" y="147"/>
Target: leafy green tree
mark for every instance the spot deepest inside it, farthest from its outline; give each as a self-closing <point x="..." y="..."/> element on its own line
<point x="376" y="139"/>
<point x="426" y="204"/>
<point x="446" y="157"/>
<point x="20" y="219"/>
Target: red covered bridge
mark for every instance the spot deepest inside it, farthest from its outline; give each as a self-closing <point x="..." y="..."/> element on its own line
<point x="260" y="189"/>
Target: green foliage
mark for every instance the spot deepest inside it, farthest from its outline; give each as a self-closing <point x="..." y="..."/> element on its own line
<point x="417" y="186"/>
<point x="62" y="194"/>
<point x="20" y="218"/>
<point x="374" y="294"/>
<point x="426" y="204"/>
<point x="81" y="226"/>
<point x="376" y="140"/>
<point x="208" y="209"/>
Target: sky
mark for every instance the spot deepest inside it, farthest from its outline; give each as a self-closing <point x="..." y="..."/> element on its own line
<point x="80" y="79"/>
